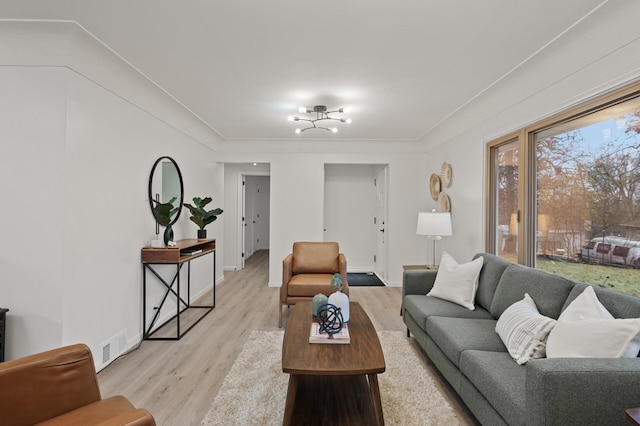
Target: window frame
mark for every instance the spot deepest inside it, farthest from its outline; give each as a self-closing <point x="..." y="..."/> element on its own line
<point x="527" y="168"/>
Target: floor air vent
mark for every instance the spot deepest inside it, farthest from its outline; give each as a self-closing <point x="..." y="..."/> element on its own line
<point x="113" y="347"/>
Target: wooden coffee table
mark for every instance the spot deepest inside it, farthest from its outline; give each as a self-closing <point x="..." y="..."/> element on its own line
<point x="333" y="384"/>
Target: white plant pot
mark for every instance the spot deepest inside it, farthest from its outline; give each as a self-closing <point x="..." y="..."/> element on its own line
<point x="340" y="300"/>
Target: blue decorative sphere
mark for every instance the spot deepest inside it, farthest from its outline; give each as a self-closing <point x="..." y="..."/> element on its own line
<point x="330" y="319"/>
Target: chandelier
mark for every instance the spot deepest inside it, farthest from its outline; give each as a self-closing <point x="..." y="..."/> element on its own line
<point x="321" y="115"/>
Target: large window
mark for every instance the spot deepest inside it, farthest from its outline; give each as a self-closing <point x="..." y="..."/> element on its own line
<point x="579" y="210"/>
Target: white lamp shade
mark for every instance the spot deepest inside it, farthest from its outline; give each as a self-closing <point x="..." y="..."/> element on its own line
<point x="434" y="224"/>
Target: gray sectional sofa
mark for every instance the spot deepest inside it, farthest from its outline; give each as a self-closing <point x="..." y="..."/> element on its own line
<point x="465" y="347"/>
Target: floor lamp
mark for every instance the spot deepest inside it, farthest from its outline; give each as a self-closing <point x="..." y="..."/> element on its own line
<point x="434" y="225"/>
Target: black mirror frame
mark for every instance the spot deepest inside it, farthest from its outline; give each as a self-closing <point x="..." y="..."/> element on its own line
<point x="151" y="200"/>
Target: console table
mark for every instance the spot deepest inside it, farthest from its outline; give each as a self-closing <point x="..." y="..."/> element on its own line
<point x="182" y="253"/>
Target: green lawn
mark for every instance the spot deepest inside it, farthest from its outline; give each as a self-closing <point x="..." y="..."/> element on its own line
<point x="624" y="280"/>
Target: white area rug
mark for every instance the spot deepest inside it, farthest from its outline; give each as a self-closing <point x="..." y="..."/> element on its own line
<point x="254" y="391"/>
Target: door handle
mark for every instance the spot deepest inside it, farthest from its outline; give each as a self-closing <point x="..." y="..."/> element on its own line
<point x="382" y="230"/>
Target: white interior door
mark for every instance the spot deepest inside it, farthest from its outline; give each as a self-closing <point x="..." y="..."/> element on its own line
<point x="250" y="217"/>
<point x="243" y="222"/>
<point x="349" y="212"/>
<point x="380" y="225"/>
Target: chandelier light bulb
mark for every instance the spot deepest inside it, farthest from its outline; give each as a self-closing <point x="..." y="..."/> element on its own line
<point x="291" y="118"/>
<point x="302" y="110"/>
<point x="298" y="131"/>
<point x="334" y="130"/>
<point x="348" y="121"/>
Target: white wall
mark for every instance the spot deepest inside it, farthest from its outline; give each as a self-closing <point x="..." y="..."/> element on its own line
<point x="297" y="195"/>
<point x="75" y="169"/>
<point x="597" y="55"/>
<point x="32" y="182"/>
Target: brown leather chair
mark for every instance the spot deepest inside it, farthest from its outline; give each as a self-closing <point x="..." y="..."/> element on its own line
<point x="308" y="270"/>
<point x="60" y="387"/>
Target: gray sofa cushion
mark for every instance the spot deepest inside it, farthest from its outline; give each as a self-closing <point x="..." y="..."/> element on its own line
<point x="422" y="306"/>
<point x="500" y="380"/>
<point x="547" y="290"/>
<point x="492" y="269"/>
<point x="620" y="305"/>
<point x="456" y="335"/>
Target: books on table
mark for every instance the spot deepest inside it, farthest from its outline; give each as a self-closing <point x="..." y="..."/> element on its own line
<point x="190" y="252"/>
<point x="342" y="337"/>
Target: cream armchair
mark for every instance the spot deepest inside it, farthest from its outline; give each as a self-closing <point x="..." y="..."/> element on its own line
<point x="308" y="270"/>
<point x="60" y="387"/>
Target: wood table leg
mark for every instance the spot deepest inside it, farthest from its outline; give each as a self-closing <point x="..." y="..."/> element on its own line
<point x="291" y="399"/>
<point x="374" y="389"/>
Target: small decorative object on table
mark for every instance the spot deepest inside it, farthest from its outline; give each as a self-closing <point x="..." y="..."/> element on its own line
<point x="338" y="298"/>
<point x="200" y="216"/>
<point x="330" y="327"/>
<point x="318" y="300"/>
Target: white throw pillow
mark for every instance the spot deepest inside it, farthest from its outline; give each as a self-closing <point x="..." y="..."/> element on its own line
<point x="586" y="329"/>
<point x="524" y="330"/>
<point x="457" y="282"/>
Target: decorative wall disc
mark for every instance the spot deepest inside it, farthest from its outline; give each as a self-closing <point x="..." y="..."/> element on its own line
<point x="445" y="175"/>
<point x="444" y="204"/>
<point x="434" y="186"/>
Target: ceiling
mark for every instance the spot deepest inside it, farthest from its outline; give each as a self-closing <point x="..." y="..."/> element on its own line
<point x="244" y="66"/>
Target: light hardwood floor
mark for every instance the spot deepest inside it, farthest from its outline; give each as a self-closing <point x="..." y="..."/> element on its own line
<point x="177" y="380"/>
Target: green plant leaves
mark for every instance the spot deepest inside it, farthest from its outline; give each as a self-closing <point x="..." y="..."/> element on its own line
<point x="336" y="281"/>
<point x="199" y="215"/>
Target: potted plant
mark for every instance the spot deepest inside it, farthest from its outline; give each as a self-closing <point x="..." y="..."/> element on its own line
<point x="200" y="216"/>
<point x="338" y="298"/>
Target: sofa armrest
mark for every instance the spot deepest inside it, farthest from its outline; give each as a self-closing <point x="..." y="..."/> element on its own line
<point x="137" y="417"/>
<point x="287" y="273"/>
<point x="585" y="391"/>
<point x="418" y="281"/>
<point x="45" y="385"/>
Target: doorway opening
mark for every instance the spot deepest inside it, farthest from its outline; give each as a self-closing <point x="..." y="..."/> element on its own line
<point x="255" y="215"/>
<point x="355" y="215"/>
<point x="245" y="207"/>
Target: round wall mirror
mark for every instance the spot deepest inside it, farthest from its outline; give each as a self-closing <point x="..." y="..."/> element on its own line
<point x="166" y="194"/>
